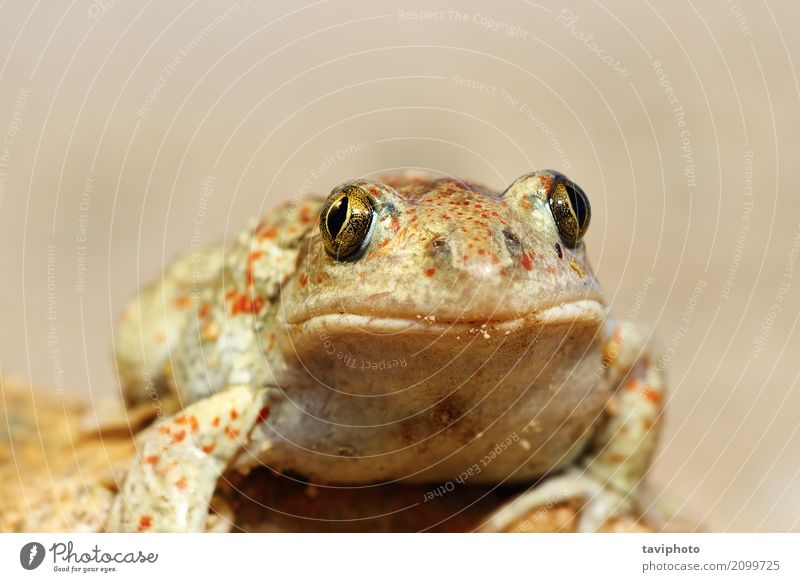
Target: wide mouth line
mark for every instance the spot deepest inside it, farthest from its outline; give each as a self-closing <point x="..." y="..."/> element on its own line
<point x="545" y="314"/>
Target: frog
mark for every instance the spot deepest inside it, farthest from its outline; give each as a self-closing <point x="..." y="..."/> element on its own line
<point x="410" y="328"/>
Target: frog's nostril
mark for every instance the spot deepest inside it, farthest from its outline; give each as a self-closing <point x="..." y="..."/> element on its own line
<point x="440" y="246"/>
<point x="513" y="244"/>
<point x="440" y="254"/>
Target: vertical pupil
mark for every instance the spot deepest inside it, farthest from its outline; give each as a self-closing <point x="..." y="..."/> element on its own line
<point x="337" y="216"/>
<point x="579" y="203"/>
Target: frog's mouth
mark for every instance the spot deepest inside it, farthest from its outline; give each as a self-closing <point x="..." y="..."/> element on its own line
<point x="578" y="311"/>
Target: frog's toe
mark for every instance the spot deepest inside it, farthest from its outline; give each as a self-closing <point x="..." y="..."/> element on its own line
<point x="593" y="507"/>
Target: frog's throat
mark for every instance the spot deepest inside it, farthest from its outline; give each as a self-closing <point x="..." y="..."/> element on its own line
<point x="576" y="311"/>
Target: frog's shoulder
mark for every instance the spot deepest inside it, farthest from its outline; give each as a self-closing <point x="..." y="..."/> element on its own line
<point x="240" y="303"/>
<point x="264" y="255"/>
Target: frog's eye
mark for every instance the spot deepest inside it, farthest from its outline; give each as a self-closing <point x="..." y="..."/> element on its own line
<point x="345" y="222"/>
<point x="571" y="210"/>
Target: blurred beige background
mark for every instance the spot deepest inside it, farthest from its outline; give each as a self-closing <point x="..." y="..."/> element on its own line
<point x="128" y="131"/>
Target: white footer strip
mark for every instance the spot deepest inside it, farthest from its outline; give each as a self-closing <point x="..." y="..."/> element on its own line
<point x="352" y="557"/>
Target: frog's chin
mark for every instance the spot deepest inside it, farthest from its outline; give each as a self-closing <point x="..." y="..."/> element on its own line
<point x="579" y="311"/>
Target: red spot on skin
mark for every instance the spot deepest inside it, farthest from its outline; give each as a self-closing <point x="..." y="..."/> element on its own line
<point x="648" y="424"/>
<point x="180" y="419"/>
<point x="145" y="522"/>
<point x="243" y="304"/>
<point x="303" y="279"/>
<point x="178" y="436"/>
<point x="151" y="459"/>
<point x="305" y="215"/>
<point x="395" y="225"/>
<point x="254" y="256"/>
<point x="383" y="243"/>
<point x="269" y="233"/>
<point x="631" y="385"/>
<point x="445" y="217"/>
<point x="232" y="434"/>
<point x="164" y="429"/>
<point x="527" y="260"/>
<point x="230" y="294"/>
<point x="652" y="395"/>
<point x="183" y="301"/>
<point x="182" y="485"/>
<point x="234" y="415"/>
<point x="215" y="422"/>
<point x="478" y="206"/>
<point x="258" y="303"/>
<point x="193" y="423"/>
<point x="430" y="272"/>
<point x="208" y="449"/>
<point x="202" y="312"/>
<point x="617" y="459"/>
<point x="481" y="251"/>
<point x="263" y="414"/>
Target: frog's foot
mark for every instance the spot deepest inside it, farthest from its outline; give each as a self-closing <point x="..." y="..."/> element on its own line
<point x="598" y="504"/>
<point x="171" y="483"/>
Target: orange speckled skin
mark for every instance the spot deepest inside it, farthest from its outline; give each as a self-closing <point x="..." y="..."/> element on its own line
<point x="463" y="328"/>
<point x="451" y="249"/>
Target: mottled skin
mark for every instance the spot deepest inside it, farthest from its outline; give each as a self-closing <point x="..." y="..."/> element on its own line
<point x="465" y="323"/>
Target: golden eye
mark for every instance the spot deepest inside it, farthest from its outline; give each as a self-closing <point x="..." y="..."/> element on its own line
<point x="571" y="210"/>
<point x="345" y="222"/>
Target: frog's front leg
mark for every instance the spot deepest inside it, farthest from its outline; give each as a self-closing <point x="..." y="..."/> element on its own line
<point x="607" y="481"/>
<point x="170" y="484"/>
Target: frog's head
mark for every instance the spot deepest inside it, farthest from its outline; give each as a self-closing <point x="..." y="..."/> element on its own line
<point x="399" y="265"/>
